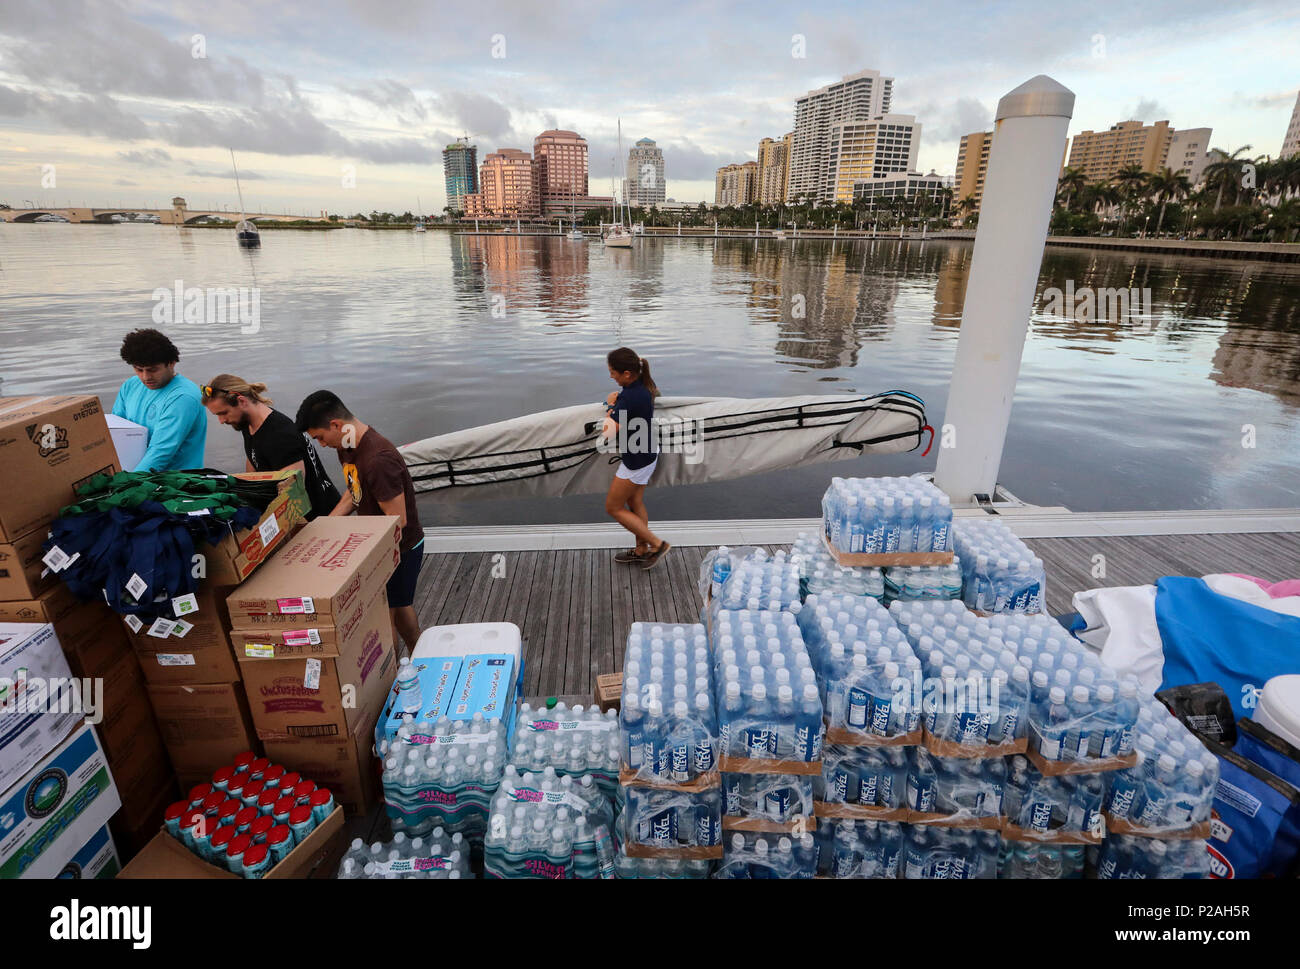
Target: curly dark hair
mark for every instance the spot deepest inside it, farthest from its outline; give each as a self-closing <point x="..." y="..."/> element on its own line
<point x="147" y="348"/>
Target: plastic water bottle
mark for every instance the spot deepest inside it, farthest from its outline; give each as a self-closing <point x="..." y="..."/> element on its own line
<point x="721" y="570"/>
<point x="408" y="686"/>
<point x="1055" y="720"/>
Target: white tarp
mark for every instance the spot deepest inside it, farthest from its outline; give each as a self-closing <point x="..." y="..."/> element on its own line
<point x="700" y="439"/>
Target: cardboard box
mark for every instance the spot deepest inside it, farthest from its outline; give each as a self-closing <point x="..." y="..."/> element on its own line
<point x="202" y="725"/>
<point x="55" y="808"/>
<point x="137" y="822"/>
<point x="325" y="695"/>
<point x="165" y="857"/>
<point x="130" y="441"/>
<point x="22" y="573"/>
<point x="346" y="766"/>
<point x="48" y="445"/>
<point x="236" y="556"/>
<point x="34" y="679"/>
<point x="96" y="859"/>
<point x="609" y="691"/>
<point x="131" y="739"/>
<point x="198" y="651"/>
<point x="89" y="633"/>
<point x="322" y="576"/>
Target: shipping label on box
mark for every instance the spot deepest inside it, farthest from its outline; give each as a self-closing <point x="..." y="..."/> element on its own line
<point x="48" y="446"/>
<point x="96" y="859"/>
<point x="196" y="649"/>
<point x="55" y="808"/>
<point x="40" y="702"/>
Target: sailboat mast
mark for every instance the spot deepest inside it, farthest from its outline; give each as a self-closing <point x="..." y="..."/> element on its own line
<point x="243" y="213"/>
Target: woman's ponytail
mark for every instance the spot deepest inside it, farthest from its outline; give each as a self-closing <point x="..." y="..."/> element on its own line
<point x="647" y="379"/>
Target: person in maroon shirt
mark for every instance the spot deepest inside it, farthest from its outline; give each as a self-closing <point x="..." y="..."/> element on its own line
<point x="377" y="484"/>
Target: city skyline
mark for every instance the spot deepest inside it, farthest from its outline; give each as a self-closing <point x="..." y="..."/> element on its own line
<point x="300" y="106"/>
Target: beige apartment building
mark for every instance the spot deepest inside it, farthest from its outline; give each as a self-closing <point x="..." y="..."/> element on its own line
<point x="773" y="169"/>
<point x="972" y="166"/>
<point x="864" y="150"/>
<point x="1100" y="154"/>
<point x="736" y="184"/>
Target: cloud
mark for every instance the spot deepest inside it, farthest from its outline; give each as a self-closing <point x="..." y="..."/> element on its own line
<point x="481" y="115"/>
<point x="124" y="181"/>
<point x="948" y="122"/>
<point x="1149" y="109"/>
<point x="245" y="176"/>
<point x="146" y="156"/>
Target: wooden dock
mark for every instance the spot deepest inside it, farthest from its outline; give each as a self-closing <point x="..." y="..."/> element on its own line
<point x="574" y="605"/>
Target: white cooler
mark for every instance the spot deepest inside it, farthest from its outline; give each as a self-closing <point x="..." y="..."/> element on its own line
<point x="1278" y="708"/>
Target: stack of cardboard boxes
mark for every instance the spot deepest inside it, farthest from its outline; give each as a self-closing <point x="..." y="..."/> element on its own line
<point x="314" y="640"/>
<point x="47" y="446"/>
<point x="192" y="680"/>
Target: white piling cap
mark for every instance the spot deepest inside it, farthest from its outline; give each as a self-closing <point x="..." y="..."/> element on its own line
<point x="1038" y="97"/>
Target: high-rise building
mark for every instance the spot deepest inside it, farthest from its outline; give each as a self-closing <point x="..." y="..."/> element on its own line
<point x="1100" y="154"/>
<point x="881" y="190"/>
<point x="1291" y="142"/>
<point x="871" y="149"/>
<point x="645" y="184"/>
<point x="507" y="185"/>
<point x="1189" y="152"/>
<point x="559" y="170"/>
<point x="773" y="169"/>
<point x="736" y="184"/>
<point x="972" y="166"/>
<point x="460" y="172"/>
<point x="856" y="97"/>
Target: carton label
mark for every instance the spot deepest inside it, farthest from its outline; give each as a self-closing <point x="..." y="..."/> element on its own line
<point x="295" y="605"/>
<point x="403" y="866"/>
<point x="184" y="605"/>
<point x="564" y="726"/>
<point x="176" y="659"/>
<point x="268" y="529"/>
<point x="259" y="650"/>
<point x="311" y="679"/>
<point x="532" y="795"/>
<point x="180" y="628"/>
<point x="445" y="741"/>
<point x="161" y="628"/>
<point x="302" y="637"/>
<point x="137" y="586"/>
<point x="132" y="621"/>
<point x="199" y="511"/>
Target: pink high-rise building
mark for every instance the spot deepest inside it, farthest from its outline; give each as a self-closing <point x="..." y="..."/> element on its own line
<point x="506" y="185"/>
<point x="559" y="170"/>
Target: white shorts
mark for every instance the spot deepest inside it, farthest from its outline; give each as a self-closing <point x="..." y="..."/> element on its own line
<point x="640" y="476"/>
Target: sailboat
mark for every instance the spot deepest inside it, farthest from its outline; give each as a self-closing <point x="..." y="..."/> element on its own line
<point x="246" y="233"/>
<point x="617" y="235"/>
<point x="575" y="233"/>
<point x="419" y="222"/>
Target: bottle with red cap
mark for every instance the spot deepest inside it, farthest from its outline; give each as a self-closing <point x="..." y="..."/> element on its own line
<point x="198" y="792"/>
<point x="229" y="811"/>
<point x="273" y="776"/>
<point x="212" y="803"/>
<point x="257" y="861"/>
<point x="280" y="811"/>
<point x="221" y="777"/>
<point x="235" y="786"/>
<point x="321" y="803"/>
<point x="243" y="760"/>
<point x="259" y="828"/>
<point x="301" y="823"/>
<point x="257" y="769"/>
<point x="235" y="853"/>
<point x="246" y="817"/>
<point x="252" y="791"/>
<point x="173" y="816"/>
<point x="266" y="800"/>
<point x="289" y="781"/>
<point x="280" y="842"/>
<point x="220" y="843"/>
<point x="303" y="791"/>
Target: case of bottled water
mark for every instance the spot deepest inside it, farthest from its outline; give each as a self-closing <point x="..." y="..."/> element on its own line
<point x="778" y="798"/>
<point x="820" y="574"/>
<point x="1046" y="807"/>
<point x="578" y="742"/>
<point x="863" y="666"/>
<point x="911" y="582"/>
<point x="999" y="572"/>
<point x="758" y="855"/>
<point x="436" y="854"/>
<point x="955" y="788"/>
<point x="1034" y="860"/>
<point x="758" y="581"/>
<point x="869" y="777"/>
<point x="933" y="852"/>
<point x="443" y="773"/>
<point x="669" y="724"/>
<point x="664" y="818"/>
<point x="1130" y="856"/>
<point x="628" y="867"/>
<point x="548" y="825"/>
<point x="769" y="707"/>
<point x="886" y="516"/>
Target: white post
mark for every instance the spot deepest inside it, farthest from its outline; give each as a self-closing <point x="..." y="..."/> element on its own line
<point x="679" y="228"/>
<point x="715" y="228"/>
<point x="1019" y="188"/>
<point x="836" y="233"/>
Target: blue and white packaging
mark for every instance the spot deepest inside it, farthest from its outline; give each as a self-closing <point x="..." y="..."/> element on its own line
<point x="50" y="814"/>
<point x="40" y="703"/>
<point x="96" y="859"/>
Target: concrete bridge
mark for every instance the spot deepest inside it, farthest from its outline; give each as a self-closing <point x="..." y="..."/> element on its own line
<point x="178" y="214"/>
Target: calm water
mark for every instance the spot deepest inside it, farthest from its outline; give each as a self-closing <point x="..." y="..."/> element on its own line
<point x="426" y="333"/>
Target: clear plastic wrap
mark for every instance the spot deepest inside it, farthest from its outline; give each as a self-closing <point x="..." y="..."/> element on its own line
<point x="933" y="852"/>
<point x="999" y="572"/>
<point x="549" y="826"/>
<point x="670" y="820"/>
<point x="717" y="565"/>
<point x="911" y="583"/>
<point x="760" y="581"/>
<point x="669" y="726"/>
<point x="754" y="855"/>
<point x="1063" y="809"/>
<point x="578" y="742"/>
<point x="820" y="574"/>
<point x="438" y="854"/>
<point x="767" y="800"/>
<point x="954" y="790"/>
<point x="887" y="516"/>
<point x="1128" y="856"/>
<point x="443" y="773"/>
<point x="873" y="778"/>
<point x="1036" y="860"/>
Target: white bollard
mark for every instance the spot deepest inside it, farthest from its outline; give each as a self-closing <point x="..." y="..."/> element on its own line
<point x="1019" y="188"/>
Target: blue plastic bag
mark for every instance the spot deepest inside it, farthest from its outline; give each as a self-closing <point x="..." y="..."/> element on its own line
<point x="1255" y="828"/>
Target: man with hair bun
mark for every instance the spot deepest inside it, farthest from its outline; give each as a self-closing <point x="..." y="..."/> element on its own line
<point x="163" y="401"/>
<point x="271" y="441"/>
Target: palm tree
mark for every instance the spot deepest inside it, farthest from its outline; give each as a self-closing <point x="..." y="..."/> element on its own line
<point x="1164" y="186"/>
<point x="966" y="207"/>
<point x="1069" y="184"/>
<point x="1227" y="170"/>
<point x="1130" y="180"/>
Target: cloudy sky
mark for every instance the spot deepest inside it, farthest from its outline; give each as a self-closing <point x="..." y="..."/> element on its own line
<point x="114" y="96"/>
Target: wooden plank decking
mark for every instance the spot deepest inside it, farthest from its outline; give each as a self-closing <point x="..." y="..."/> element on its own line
<point x="574" y="606"/>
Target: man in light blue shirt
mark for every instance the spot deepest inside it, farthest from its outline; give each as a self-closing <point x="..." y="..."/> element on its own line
<point x="169" y="405"/>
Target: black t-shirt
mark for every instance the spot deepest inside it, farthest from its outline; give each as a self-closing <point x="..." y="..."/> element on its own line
<point x="634" y="408"/>
<point x="277" y="444"/>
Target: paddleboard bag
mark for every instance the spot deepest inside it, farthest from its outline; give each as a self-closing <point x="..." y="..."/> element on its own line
<point x="699" y="439"/>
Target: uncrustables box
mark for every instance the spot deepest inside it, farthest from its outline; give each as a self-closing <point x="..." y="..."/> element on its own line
<point x="55" y="808"/>
<point x="40" y="704"/>
<point x="48" y="445"/>
<point x="326" y="572"/>
<point x="325" y="695"/>
<point x="96" y="859"/>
